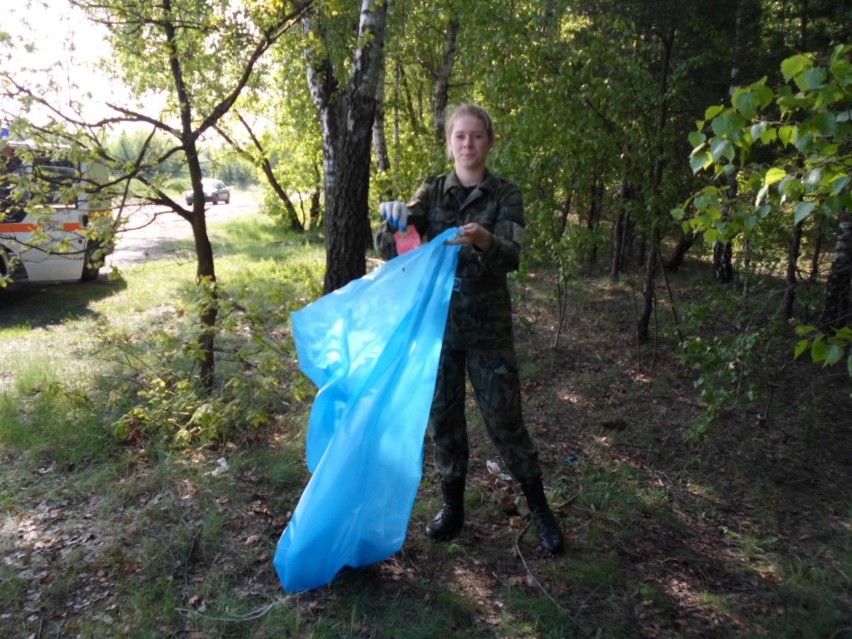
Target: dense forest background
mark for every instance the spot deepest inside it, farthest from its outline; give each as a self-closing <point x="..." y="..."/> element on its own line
<point x="640" y="132"/>
<point x="682" y="311"/>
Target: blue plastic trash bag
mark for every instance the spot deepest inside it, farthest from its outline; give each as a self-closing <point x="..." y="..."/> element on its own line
<point x="372" y="348"/>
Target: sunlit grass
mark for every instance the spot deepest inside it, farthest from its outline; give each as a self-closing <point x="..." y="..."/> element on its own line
<point x="48" y="370"/>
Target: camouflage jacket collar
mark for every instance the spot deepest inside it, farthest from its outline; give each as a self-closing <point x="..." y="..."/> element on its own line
<point x="452" y="182"/>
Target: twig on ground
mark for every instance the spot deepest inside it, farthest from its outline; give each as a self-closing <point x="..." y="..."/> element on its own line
<point x="535" y="579"/>
<point x="564" y="504"/>
<point x="249" y="616"/>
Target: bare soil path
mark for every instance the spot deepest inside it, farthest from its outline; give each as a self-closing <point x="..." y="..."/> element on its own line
<point x="151" y="232"/>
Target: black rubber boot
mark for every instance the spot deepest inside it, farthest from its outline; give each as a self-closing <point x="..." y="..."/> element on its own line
<point x="549" y="533"/>
<point x="450" y="519"/>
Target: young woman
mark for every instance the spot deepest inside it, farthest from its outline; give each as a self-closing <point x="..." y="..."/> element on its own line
<point x="478" y="342"/>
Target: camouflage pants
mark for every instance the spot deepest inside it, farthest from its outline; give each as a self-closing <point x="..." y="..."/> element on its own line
<point x="494" y="377"/>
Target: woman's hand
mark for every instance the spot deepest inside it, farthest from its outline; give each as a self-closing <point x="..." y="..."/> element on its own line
<point x="473" y="235"/>
<point x="396" y="213"/>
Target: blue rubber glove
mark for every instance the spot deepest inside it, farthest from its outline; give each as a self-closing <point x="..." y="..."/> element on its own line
<point x="396" y="214"/>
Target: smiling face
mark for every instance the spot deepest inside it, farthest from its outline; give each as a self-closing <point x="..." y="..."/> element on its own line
<point x="469" y="141"/>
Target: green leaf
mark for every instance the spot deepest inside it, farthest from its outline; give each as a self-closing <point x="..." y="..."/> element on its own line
<point x="697" y="138"/>
<point x="719" y="148"/>
<point x="819" y="349"/>
<point x="804" y="143"/>
<point x="729" y="124"/>
<point x="711" y="236"/>
<point x="828" y="95"/>
<point x="713" y="111"/>
<point x="763" y="94"/>
<point x="839" y="184"/>
<point x="812" y="180"/>
<point x="833" y="204"/>
<point x="769" y="136"/>
<point x="844" y="333"/>
<point x="795" y="65"/>
<point x="678" y="213"/>
<point x="745" y="102"/>
<point x="827" y="152"/>
<point x="840" y="65"/>
<point x="824" y="123"/>
<point x="786" y="134"/>
<point x="774" y="175"/>
<point x="753" y="180"/>
<point x="834" y="355"/>
<point x="700" y="160"/>
<point x="803" y="210"/>
<point x="805" y="329"/>
<point x="801" y="347"/>
<point x="791" y="188"/>
<point x="810" y="79"/>
<point x="707" y="197"/>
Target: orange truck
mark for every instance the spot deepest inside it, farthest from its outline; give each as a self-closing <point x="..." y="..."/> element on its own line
<point x="56" y="219"/>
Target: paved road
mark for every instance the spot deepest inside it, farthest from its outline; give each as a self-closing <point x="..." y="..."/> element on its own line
<point x="151" y="233"/>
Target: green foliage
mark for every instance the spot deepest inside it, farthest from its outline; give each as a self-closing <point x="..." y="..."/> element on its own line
<point x="825" y="349"/>
<point x="132" y="148"/>
<point x="232" y="169"/>
<point x="416" y="34"/>
<point x="808" y="137"/>
<point x="725" y="370"/>
<point x="160" y="398"/>
<point x="731" y="366"/>
<point x="148" y="390"/>
<point x="292" y="141"/>
<point x="788" y="150"/>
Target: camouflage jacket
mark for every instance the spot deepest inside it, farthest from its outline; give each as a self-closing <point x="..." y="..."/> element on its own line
<point x="480" y="310"/>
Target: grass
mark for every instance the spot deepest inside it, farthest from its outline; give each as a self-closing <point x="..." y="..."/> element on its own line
<point x="113" y="526"/>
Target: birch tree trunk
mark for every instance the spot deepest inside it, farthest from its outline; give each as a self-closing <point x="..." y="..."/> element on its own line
<point x="380" y="143"/>
<point x="346" y="116"/>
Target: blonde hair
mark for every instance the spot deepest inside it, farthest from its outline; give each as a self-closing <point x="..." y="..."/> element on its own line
<point x="468" y="109"/>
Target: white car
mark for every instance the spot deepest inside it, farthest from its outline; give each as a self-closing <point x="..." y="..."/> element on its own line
<point x="215" y="191"/>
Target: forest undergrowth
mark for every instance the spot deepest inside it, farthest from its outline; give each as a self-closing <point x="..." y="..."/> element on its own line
<point x="677" y="525"/>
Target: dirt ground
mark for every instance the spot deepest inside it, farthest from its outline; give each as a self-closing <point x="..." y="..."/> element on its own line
<point x="729" y="518"/>
<point x="151" y="232"/>
<point x="700" y="536"/>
